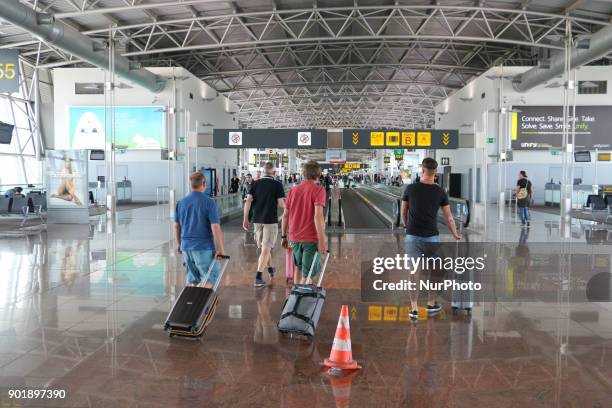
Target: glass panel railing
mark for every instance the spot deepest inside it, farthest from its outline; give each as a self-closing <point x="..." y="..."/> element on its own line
<point x="228" y="205"/>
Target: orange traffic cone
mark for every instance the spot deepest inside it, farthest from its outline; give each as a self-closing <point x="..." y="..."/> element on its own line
<point x="341" y="356"/>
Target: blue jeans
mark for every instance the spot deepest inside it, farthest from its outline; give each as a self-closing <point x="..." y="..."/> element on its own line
<point x="416" y="246"/>
<point x="524" y="214"/>
<point x="197" y="264"/>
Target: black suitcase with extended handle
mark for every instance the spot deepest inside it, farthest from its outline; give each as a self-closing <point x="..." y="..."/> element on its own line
<point x="195" y="307"/>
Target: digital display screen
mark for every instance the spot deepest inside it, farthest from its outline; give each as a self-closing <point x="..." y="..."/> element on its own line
<point x="582" y="157"/>
<point x="96" y="155"/>
<point x="137" y="127"/>
<point x="6" y="133"/>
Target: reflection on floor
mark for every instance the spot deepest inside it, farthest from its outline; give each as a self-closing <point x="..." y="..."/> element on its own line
<point x="75" y="316"/>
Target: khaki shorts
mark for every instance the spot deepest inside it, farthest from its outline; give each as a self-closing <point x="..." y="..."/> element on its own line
<point x="265" y="234"/>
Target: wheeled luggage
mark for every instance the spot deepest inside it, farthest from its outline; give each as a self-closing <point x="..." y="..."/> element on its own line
<point x="195" y="307"/>
<point x="462" y="299"/>
<point x="302" y="308"/>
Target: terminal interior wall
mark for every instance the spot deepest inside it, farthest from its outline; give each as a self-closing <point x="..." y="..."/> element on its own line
<point x="145" y="168"/>
<point x="473" y="110"/>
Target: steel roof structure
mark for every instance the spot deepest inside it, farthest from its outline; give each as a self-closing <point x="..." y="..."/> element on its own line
<point x="328" y="64"/>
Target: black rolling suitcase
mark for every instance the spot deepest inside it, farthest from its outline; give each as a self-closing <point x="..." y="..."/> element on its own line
<point x="195" y="307"/>
<point x="302" y="308"/>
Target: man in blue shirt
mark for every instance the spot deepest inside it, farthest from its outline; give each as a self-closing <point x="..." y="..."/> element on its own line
<point x="198" y="233"/>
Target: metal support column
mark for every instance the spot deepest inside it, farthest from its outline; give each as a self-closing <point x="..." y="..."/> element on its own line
<point x="109" y="126"/>
<point x="501" y="146"/>
<point x="568" y="146"/>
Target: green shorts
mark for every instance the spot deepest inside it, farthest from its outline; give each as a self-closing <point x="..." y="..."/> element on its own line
<point x="303" y="254"/>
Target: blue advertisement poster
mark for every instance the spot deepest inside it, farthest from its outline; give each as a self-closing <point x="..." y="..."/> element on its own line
<point x="137" y="127"/>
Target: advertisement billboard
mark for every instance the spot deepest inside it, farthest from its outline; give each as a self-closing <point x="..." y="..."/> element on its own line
<point x="137" y="127"/>
<point x="541" y="127"/>
<point x="67" y="178"/>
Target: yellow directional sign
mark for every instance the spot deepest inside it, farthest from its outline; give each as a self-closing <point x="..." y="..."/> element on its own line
<point x="424" y="138"/>
<point x="400" y="138"/>
<point x="374" y="312"/>
<point x="377" y="138"/>
<point x="390" y="313"/>
<point x="408" y="139"/>
<point x="393" y="139"/>
<point x="445" y="139"/>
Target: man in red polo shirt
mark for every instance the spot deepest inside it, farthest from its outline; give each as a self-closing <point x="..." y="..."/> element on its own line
<point x="303" y="218"/>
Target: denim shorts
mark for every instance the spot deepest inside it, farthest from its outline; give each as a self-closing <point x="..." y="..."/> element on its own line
<point x="416" y="246"/>
<point x="197" y="264"/>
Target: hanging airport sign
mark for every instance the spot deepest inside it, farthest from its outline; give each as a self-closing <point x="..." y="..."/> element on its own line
<point x="335" y="156"/>
<point x="604" y="157"/>
<point x="387" y="160"/>
<point x="398" y="152"/>
<point x="445" y="161"/>
<point x="351" y="166"/>
<point x="541" y="127"/>
<point x="394" y="138"/>
<point x="9" y="71"/>
<point x="270" y="138"/>
<point x="399" y="156"/>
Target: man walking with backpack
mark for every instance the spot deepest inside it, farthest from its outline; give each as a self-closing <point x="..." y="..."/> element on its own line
<point x="524" y="192"/>
<point x="265" y="197"/>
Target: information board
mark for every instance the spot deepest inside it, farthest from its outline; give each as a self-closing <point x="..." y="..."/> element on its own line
<point x="275" y="138"/>
<point x="394" y="138"/>
<point x="9" y="71"/>
<point x="541" y="127"/>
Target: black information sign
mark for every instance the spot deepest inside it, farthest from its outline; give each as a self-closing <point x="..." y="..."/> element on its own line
<point x="272" y="138"/>
<point x="400" y="138"/>
<point x="541" y="127"/>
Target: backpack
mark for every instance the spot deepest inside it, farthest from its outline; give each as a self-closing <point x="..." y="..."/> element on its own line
<point x="523" y="192"/>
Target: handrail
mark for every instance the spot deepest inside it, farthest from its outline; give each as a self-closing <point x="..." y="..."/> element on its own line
<point x="460" y="208"/>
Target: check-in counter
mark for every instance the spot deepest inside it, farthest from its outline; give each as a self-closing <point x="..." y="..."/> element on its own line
<point x="580" y="193"/>
<point x="124" y="191"/>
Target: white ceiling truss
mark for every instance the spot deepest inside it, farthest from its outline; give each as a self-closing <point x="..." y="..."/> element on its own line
<point x="346" y="64"/>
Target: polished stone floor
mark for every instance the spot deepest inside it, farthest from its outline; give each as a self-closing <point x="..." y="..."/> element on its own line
<point x="82" y="310"/>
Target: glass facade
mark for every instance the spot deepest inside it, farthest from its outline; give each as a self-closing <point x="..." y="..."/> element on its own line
<point x="18" y="164"/>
